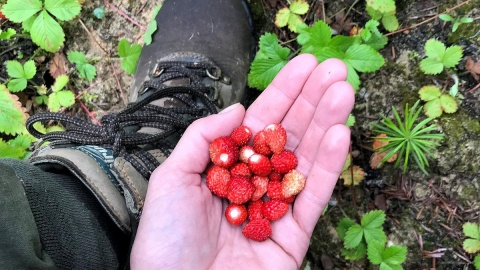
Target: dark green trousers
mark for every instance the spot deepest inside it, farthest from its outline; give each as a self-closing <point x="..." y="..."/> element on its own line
<point x="49" y="220"/>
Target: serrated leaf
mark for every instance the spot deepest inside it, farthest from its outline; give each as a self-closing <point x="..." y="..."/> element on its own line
<point x="7" y="34"/>
<point x="77" y="57"/>
<point x="263" y="71"/>
<point x="377" y="40"/>
<point x="60" y="83"/>
<point x="15" y="69"/>
<point x="350" y="121"/>
<point x="429" y="92"/>
<point x="375" y="235"/>
<point x="431" y="66"/>
<point x="383" y="6"/>
<point x="41" y="100"/>
<point x="452" y="56"/>
<point x="56" y="100"/>
<point x="433" y="108"/>
<point x="129" y="54"/>
<point x="342" y="43"/>
<point x="374" y="252"/>
<point x="269" y="47"/>
<point x="282" y="17"/>
<point x="9" y="151"/>
<point x="435" y="49"/>
<point x="348" y="162"/>
<point x="12" y="114"/>
<point x="299" y="7"/>
<point x="373" y="219"/>
<point x="471" y="245"/>
<point x="476" y="262"/>
<point x="364" y="58"/>
<point x="64" y="10"/>
<point x="27" y="24"/>
<point x="22" y="141"/>
<point x="356" y="253"/>
<point x="390" y="22"/>
<point x="29" y="69"/>
<point x="386" y="266"/>
<point x="353" y="236"/>
<point x="316" y="36"/>
<point x="358" y="176"/>
<point x="394" y="255"/>
<point x="152" y="26"/>
<point x="449" y="104"/>
<point x="47" y="33"/>
<point x="20" y="10"/>
<point x="87" y="71"/>
<point x="374" y="14"/>
<point x="17" y="85"/>
<point x="294" y="22"/>
<point x="471" y="230"/>
<point x="352" y="77"/>
<point x="343" y="225"/>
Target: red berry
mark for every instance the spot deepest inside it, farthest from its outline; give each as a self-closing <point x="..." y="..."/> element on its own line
<point x="236" y="214"/>
<point x="274" y="209"/>
<point x="257" y="230"/>
<point x="241" y="135"/>
<point x="217" y="181"/>
<point x="240" y="190"/>
<point x="255" y="210"/>
<point x="223" y="151"/>
<point x="240" y="169"/>
<point x="275" y="137"/>
<point x="290" y="199"/>
<point x="275" y="176"/>
<point x="293" y="182"/>
<point x="245" y="153"/>
<point x="2" y="17"/>
<point x="274" y="190"/>
<point x="260" y="144"/>
<point x="259" y="165"/>
<point x="260" y="183"/>
<point x="284" y="161"/>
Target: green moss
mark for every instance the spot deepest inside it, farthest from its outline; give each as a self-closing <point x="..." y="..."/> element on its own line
<point x="465" y="31"/>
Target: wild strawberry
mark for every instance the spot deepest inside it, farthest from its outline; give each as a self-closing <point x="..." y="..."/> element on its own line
<point x="245" y="153"/>
<point x="275" y="176"/>
<point x="241" y="135"/>
<point x="217" y="181"/>
<point x="255" y="210"/>
<point x="284" y="161"/>
<point x="260" y="183"/>
<point x="290" y="199"/>
<point x="240" y="190"/>
<point x="274" y="190"/>
<point x="236" y="214"/>
<point x="259" y="165"/>
<point x="274" y="209"/>
<point x="293" y="182"/>
<point x="275" y="137"/>
<point x="240" y="169"/>
<point x="260" y="144"/>
<point x="257" y="230"/>
<point x="223" y="151"/>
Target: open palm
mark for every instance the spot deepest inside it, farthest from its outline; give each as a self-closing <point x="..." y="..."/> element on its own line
<point x="183" y="224"/>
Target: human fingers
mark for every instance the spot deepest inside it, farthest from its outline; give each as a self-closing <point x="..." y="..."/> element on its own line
<point x="322" y="177"/>
<point x="275" y="101"/>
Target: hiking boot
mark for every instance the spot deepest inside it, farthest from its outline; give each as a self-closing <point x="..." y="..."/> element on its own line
<point x="196" y="65"/>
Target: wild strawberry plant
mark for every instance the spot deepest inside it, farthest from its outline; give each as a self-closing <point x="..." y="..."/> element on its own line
<point x="472" y="243"/>
<point x="436" y="101"/>
<point x="384" y="11"/>
<point x="41" y="19"/>
<point x="86" y="70"/>
<point x="20" y="74"/>
<point x="291" y="15"/>
<point x="129" y="53"/>
<point x="440" y="57"/>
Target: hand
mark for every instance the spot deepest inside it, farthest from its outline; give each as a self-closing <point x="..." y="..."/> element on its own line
<point x="183" y="225"/>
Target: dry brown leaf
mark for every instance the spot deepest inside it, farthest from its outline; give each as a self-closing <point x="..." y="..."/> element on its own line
<point x="377" y="157"/>
<point x="358" y="176"/>
<point x="58" y="65"/>
<point x="473" y="67"/>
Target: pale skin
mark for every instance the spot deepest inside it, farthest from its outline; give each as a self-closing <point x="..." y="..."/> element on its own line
<point x="183" y="225"/>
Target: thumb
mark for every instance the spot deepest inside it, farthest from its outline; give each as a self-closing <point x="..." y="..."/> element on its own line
<point x="191" y="153"/>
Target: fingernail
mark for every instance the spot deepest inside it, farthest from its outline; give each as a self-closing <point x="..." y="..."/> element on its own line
<point x="230" y="108"/>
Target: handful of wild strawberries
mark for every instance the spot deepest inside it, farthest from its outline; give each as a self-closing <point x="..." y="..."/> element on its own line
<point x="259" y="181"/>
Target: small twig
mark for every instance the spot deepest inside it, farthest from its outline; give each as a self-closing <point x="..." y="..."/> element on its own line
<point x="125" y="15"/>
<point x="474" y="88"/>
<point x="93" y="38"/>
<point x="89" y="113"/>
<point x="119" y="84"/>
<point x="427" y="20"/>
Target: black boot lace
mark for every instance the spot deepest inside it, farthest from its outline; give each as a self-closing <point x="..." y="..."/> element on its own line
<point x="118" y="131"/>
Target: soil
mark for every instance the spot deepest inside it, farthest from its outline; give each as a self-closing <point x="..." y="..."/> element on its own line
<point x="425" y="213"/>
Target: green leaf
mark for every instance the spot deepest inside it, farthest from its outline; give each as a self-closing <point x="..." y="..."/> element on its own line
<point x="471" y="245"/>
<point x="364" y="58"/>
<point x="282" y="17"/>
<point x="452" y="56"/>
<point x="476" y="262"/>
<point x="60" y="83"/>
<point x="7" y="34"/>
<point x="433" y="108"/>
<point x="374" y="235"/>
<point x="435" y="49"/>
<point x="268" y="45"/>
<point x="77" y="57"/>
<point x="377" y="40"/>
<point x="471" y="230"/>
<point x="59" y="99"/>
<point x="299" y="7"/>
<point x="20" y="10"/>
<point x="314" y="37"/>
<point x="390" y="22"/>
<point x="64" y="10"/>
<point x="374" y="252"/>
<point x="449" y="104"/>
<point x="294" y="22"/>
<point x="431" y="66"/>
<point x="12" y="114"/>
<point x="373" y="219"/>
<point x="385" y="266"/>
<point x="350" y="121"/>
<point x="352" y="77"/>
<point x="382" y="6"/>
<point x="27" y="24"/>
<point x="454" y="89"/>
<point x="445" y="17"/>
<point x="15" y="69"/>
<point x="374" y="14"/>
<point x="353" y="236"/>
<point x="29" y="69"/>
<point x="9" y="151"/>
<point x="152" y="26"/>
<point x="466" y="20"/>
<point x="47" y="33"/>
<point x="394" y="255"/>
<point x="343" y="226"/>
<point x="356" y="253"/>
<point x="17" y="85"/>
<point x="129" y="54"/>
<point x="42" y="99"/>
<point x="429" y="92"/>
<point x="87" y="71"/>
